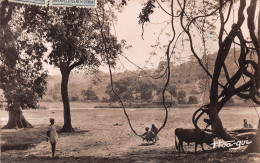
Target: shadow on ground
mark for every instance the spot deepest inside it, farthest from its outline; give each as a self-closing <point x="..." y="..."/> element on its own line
<point x="32" y="158"/>
<point x="25" y="138"/>
<point x="22" y="139"/>
<point x="146" y="144"/>
<point x="156" y="155"/>
<point x="172" y="155"/>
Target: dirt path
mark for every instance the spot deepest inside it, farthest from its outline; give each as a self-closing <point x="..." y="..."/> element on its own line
<point x="84" y="146"/>
<point x="104" y="136"/>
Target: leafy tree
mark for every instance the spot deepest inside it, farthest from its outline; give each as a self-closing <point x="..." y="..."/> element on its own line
<point x="144" y="87"/>
<point x="181" y="97"/>
<point x="193" y="100"/>
<point x="124" y="87"/>
<point x="173" y="90"/>
<point x="22" y="77"/>
<point x="158" y="87"/>
<point x="129" y="88"/>
<point x="200" y="16"/>
<point x="104" y="99"/>
<point x="89" y="95"/>
<point x="74" y="98"/>
<point x="76" y="42"/>
<point x="111" y="95"/>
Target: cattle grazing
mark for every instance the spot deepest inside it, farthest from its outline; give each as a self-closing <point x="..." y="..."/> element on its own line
<point x="192" y="135"/>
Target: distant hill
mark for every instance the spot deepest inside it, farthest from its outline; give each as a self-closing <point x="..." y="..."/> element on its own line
<point x="77" y="83"/>
<point x="189" y="77"/>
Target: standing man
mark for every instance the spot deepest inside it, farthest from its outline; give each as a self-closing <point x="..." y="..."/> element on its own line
<point x="52" y="136"/>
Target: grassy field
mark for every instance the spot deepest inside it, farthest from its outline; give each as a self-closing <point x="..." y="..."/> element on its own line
<point x="104" y="135"/>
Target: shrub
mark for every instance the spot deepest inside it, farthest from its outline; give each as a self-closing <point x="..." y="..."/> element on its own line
<point x="193" y="100"/>
<point x="89" y="95"/>
<point x="74" y="98"/>
<point x="181" y="97"/>
<point x="104" y="99"/>
<point x="193" y="91"/>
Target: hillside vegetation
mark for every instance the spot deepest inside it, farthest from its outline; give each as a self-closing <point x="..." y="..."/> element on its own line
<point x="189" y="84"/>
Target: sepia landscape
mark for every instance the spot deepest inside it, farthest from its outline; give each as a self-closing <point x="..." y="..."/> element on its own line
<point x="130" y="81"/>
<point x="103" y="135"/>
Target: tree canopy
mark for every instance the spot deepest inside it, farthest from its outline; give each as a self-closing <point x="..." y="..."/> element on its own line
<point x="76" y="41"/>
<point x="23" y="79"/>
<point x="196" y="19"/>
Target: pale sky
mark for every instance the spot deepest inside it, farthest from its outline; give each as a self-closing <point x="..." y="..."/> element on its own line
<point x="127" y="28"/>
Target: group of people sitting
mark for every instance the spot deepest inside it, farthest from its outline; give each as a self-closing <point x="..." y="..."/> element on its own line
<point x="150" y="135"/>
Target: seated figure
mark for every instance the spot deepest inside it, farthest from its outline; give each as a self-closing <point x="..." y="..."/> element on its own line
<point x="247" y="125"/>
<point x="148" y="135"/>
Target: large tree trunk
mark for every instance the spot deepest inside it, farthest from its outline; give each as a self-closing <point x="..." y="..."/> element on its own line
<point x="254" y="147"/>
<point x="17" y="120"/>
<point x="67" y="127"/>
<point x="224" y="48"/>
<point x="217" y="126"/>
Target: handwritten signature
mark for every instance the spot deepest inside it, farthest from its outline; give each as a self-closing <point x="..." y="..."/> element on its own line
<point x="230" y="144"/>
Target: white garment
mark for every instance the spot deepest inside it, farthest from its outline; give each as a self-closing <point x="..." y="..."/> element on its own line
<point x="53" y="134"/>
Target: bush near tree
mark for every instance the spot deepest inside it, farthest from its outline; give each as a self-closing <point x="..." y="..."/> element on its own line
<point x="181" y="97"/>
<point x="193" y="100"/>
<point x="89" y="95"/>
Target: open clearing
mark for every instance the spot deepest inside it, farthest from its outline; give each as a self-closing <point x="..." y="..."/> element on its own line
<point x="104" y="135"/>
